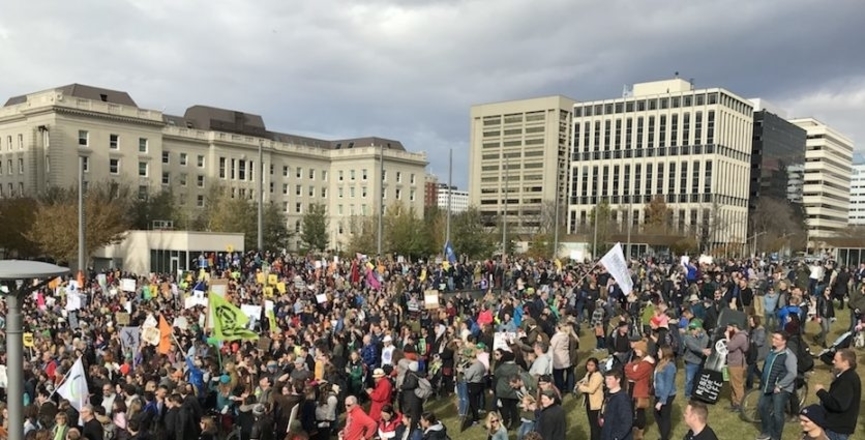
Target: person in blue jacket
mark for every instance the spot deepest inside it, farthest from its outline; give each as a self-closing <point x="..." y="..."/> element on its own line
<point x="617" y="420"/>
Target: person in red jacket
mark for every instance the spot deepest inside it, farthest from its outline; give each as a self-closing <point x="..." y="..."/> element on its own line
<point x="381" y="395"/>
<point x="639" y="374"/>
<point x="358" y="425"/>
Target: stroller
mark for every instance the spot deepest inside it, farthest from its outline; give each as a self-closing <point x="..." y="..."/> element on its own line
<point x="828" y="355"/>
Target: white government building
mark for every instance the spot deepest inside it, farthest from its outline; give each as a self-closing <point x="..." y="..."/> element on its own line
<point x="459" y="200"/>
<point x="43" y="134"/>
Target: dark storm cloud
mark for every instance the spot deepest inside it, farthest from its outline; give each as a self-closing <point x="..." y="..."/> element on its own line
<point x="411" y="69"/>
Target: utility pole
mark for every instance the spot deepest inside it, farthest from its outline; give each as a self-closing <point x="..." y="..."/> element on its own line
<point x="261" y="196"/>
<point x="556" y="214"/>
<point x="505" y="223"/>
<point x="450" y="194"/>
<point x="595" y="241"/>
<point x="380" y="199"/>
<point x="82" y="259"/>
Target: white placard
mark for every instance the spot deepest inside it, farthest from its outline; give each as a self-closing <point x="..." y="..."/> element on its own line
<point x="127" y="285"/>
<point x="502" y="339"/>
<point x="321" y="298"/>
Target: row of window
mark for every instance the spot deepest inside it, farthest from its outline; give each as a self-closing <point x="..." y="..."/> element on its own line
<point x="9" y="142"/>
<point x="9" y="169"/>
<point x="11" y="190"/>
<point x="592" y="132"/>
<point x="183" y="159"/>
<point x="113" y="141"/>
<point x="662" y="103"/>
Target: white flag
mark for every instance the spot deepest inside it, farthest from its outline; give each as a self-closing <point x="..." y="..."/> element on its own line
<point x="614" y="262"/>
<point x="74" y="387"/>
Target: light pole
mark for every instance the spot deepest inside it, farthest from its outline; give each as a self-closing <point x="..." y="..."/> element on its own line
<point x="260" y="195"/>
<point x="380" y="200"/>
<point x="16" y="276"/>
<point x="754" y="248"/>
<point x="450" y="194"/>
<point x="82" y="263"/>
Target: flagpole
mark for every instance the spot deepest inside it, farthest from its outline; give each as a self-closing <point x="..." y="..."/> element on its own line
<point x="65" y="378"/>
<point x="450" y="194"/>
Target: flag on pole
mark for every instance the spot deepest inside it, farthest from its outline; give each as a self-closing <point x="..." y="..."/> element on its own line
<point x="229" y="322"/>
<point x="614" y="262"/>
<point x="74" y="388"/>
<point x="450" y="255"/>
<point x="372" y="281"/>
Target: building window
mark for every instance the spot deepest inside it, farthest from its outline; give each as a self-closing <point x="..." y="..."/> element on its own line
<point x="20" y="166"/>
<point x="199" y="201"/>
<point x="311" y="191"/>
<point x="323" y="192"/>
<point x="363" y="174"/>
<point x="199" y="181"/>
<point x="398" y="194"/>
<point x="339" y="192"/>
<point x="299" y="173"/>
<point x="285" y="171"/>
<point x="233" y="164"/>
<point x="241" y="170"/>
<point x="351" y="192"/>
<point x="411" y="195"/>
<point x="351" y="175"/>
<point x="86" y="164"/>
<point x="412" y="179"/>
<point x="114" y="166"/>
<point x="340" y="176"/>
<point x="166" y="157"/>
<point x="324" y="175"/>
<point x="298" y="190"/>
<point x="183" y="159"/>
<point x="363" y="192"/>
<point x="298" y="208"/>
<point x="199" y="161"/>
<point x="285" y="206"/>
<point x="166" y="178"/>
<point x="285" y="188"/>
<point x="271" y="169"/>
<point x="114" y="141"/>
<point x="384" y="175"/>
<point x="339" y="209"/>
<point x="20" y="141"/>
<point x="311" y="174"/>
<point x="398" y="177"/>
<point x="142" y="145"/>
<point x="182" y="179"/>
<point x="83" y="139"/>
<point x="142" y="169"/>
<point x="221" y="167"/>
<point x="142" y="192"/>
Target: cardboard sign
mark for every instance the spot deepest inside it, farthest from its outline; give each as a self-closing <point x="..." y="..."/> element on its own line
<point x="127" y="285"/>
<point x="431" y="299"/>
<point x="28" y="340"/>
<point x="123" y="319"/>
<point x="708" y="385"/>
<point x="272" y="279"/>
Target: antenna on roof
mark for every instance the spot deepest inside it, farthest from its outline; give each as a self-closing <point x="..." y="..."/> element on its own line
<point x="676" y="74"/>
<point x="691" y="80"/>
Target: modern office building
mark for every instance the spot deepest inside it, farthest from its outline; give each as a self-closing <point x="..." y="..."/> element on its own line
<point x="43" y="135"/>
<point x="693" y="147"/>
<point x="431" y="191"/>
<point x="459" y="200"/>
<point x="518" y="159"/>
<point x="776" y="145"/>
<point x="857" y="194"/>
<point x="826" y="186"/>
<point x="795" y="182"/>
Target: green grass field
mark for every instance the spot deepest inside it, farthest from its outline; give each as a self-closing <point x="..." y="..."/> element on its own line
<point x="727" y="425"/>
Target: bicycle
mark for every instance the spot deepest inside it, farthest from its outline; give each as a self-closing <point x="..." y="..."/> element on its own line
<point x="749" y="407"/>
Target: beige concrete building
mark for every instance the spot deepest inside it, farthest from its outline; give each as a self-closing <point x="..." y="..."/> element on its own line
<point x="517" y="158"/>
<point x="826" y="186"/>
<point x="43" y="134"/>
<point x="693" y="147"/>
<point x="144" y="252"/>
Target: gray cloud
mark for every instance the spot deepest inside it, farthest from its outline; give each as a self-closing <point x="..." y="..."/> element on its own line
<point x="410" y="69"/>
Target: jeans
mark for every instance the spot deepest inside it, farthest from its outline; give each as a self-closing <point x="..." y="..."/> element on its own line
<point x="691" y="371"/>
<point x="561" y="378"/>
<point x="664" y="418"/>
<point x="771" y="408"/>
<point x="525" y="428"/>
<point x="835" y="436"/>
<point x="462" y="398"/>
<point x="752" y="372"/>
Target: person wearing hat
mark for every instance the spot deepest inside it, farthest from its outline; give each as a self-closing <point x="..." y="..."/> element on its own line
<point x="694" y="345"/>
<point x="812" y="419"/>
<point x="737" y="345"/>
<point x="639" y="375"/>
<point x="380" y="395"/>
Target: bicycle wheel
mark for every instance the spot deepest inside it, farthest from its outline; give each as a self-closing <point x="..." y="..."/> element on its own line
<point x="748" y="409"/>
<point x="233" y="435"/>
<point x="802" y="394"/>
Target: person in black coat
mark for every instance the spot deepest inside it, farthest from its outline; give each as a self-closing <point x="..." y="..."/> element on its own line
<point x="551" y="420"/>
<point x="617" y="419"/>
<point x="843" y="398"/>
<point x="413" y="404"/>
<point x="92" y="429"/>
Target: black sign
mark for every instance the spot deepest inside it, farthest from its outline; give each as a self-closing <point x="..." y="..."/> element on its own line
<point x="707" y="386"/>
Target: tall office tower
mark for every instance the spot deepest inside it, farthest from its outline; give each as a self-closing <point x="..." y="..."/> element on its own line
<point x="857" y="191"/>
<point x="664" y="138"/>
<point x="518" y="160"/>
<point x="826" y="188"/>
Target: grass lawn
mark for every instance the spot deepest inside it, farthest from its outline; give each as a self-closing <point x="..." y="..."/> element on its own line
<point x="727" y="425"/>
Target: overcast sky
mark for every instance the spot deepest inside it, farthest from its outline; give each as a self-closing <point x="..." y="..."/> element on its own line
<point x="410" y="69"/>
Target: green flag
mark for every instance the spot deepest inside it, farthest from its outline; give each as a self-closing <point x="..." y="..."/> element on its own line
<point x="229" y="322"/>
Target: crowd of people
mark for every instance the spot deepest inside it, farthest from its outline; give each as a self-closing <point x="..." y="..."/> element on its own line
<point x="360" y="348"/>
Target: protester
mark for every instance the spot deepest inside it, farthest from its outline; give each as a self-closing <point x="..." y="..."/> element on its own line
<point x="697" y="418"/>
<point x="842" y="400"/>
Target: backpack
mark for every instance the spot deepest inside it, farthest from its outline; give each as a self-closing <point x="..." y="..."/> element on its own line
<point x="751" y="354"/>
<point x="424" y="388"/>
<point x="804" y="361"/>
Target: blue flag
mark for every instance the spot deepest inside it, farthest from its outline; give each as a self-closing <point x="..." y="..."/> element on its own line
<point x="450" y="255"/>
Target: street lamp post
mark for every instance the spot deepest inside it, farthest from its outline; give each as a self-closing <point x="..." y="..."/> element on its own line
<point x="754" y="248"/>
<point x="260" y="242"/>
<point x="15" y="275"/>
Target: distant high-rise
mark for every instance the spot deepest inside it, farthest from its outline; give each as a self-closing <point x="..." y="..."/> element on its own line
<point x="826" y="186"/>
<point x="857" y="193"/>
<point x="665" y="138"/>
<point x="776" y="146"/>
<point x="518" y="154"/>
